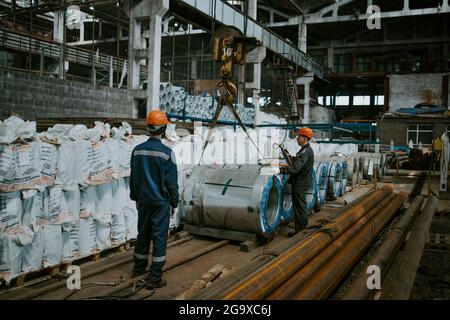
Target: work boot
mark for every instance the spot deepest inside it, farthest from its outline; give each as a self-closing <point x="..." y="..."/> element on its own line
<point x="151" y="284"/>
<point x="137" y="273"/>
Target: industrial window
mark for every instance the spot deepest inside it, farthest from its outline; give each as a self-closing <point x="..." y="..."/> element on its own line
<point x="6" y="58"/>
<point x="379" y="100"/>
<point x="420" y="133"/>
<point x="342" y="100"/>
<point x="361" y="100"/>
<point x="363" y="64"/>
<point x="342" y="63"/>
<point x="320" y="100"/>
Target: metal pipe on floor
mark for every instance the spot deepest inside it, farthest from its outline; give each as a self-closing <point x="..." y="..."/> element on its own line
<point x="294" y="283"/>
<point x="383" y="255"/>
<point x="264" y="282"/>
<point x="325" y="281"/>
<point x="225" y="285"/>
<point x="400" y="278"/>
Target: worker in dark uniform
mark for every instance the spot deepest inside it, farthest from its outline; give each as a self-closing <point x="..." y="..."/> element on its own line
<point x="300" y="178"/>
<point x="154" y="187"/>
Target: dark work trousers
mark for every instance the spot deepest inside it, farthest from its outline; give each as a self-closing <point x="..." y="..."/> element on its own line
<point x="153" y="225"/>
<point x="300" y="211"/>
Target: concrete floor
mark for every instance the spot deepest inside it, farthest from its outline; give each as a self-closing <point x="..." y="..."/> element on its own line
<point x="182" y="277"/>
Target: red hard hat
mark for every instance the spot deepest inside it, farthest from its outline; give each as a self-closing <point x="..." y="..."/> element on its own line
<point x="307" y="132"/>
<point x="157" y="118"/>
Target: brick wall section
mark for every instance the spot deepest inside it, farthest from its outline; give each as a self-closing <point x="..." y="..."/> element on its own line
<point x="395" y="128"/>
<point x="32" y="96"/>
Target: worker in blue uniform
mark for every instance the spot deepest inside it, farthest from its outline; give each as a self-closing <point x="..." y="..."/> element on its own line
<point x="154" y="187"/>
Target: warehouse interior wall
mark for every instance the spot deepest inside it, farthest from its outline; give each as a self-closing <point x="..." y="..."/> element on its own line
<point x="31" y="96"/>
<point x="408" y="90"/>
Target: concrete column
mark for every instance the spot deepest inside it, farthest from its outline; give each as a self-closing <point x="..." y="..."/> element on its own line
<point x="330" y="58"/>
<point x="306" y="80"/>
<point x="252" y="13"/>
<point x="241" y="84"/>
<point x="134" y="43"/>
<point x="302" y="37"/>
<point x="194" y="67"/>
<point x="252" y="8"/>
<point x="257" y="92"/>
<point x="58" y="26"/>
<point x="306" y="105"/>
<point x="405" y="5"/>
<point x="81" y="31"/>
<point x="154" y="55"/>
<point x="152" y="11"/>
<point x="256" y="56"/>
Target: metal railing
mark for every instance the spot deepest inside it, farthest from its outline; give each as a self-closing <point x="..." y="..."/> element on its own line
<point x="23" y="42"/>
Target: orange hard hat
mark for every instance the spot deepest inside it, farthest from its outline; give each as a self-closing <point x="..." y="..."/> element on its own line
<point x="307" y="132"/>
<point x="157" y="118"/>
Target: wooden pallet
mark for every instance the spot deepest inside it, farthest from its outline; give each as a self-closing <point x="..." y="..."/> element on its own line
<point x="58" y="270"/>
<point x="438" y="241"/>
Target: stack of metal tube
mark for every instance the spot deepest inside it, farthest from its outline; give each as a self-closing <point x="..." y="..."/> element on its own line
<point x="175" y="100"/>
<point x="313" y="268"/>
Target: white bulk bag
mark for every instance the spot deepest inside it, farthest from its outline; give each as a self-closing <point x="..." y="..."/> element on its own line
<point x="72" y="200"/>
<point x="103" y="239"/>
<point x="66" y="246"/>
<point x="34" y="252"/>
<point x="53" y="245"/>
<point x="28" y="166"/>
<point x="120" y="195"/>
<point x="131" y="222"/>
<point x="7" y="134"/>
<point x="118" y="228"/>
<point x="10" y="212"/>
<point x="87" y="236"/>
<point x="98" y="163"/>
<point x="74" y="239"/>
<point x="7" y="167"/>
<point x="55" y="206"/>
<point x="125" y="151"/>
<point x="33" y="209"/>
<point x="104" y="204"/>
<point x="49" y="158"/>
<point x="11" y="255"/>
<point x="88" y="201"/>
<point x="73" y="164"/>
<point x="113" y="147"/>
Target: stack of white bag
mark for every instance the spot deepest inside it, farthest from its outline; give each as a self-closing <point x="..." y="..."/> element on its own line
<point x="63" y="193"/>
<point x="27" y="168"/>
